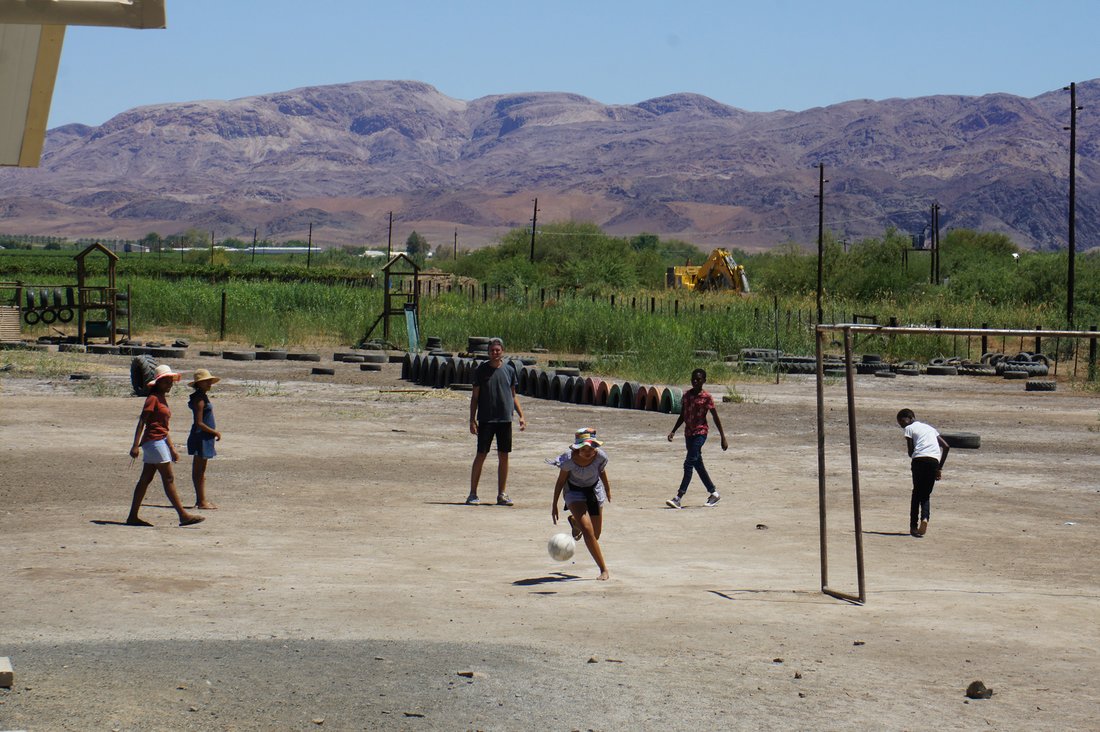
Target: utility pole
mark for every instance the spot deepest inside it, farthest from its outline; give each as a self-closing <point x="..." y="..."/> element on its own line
<point x="1073" y="109"/>
<point x="534" y="225"/>
<point x="211" y="247"/>
<point x="389" y="239"/>
<point x="255" y="232"/>
<point x="309" y="245"/>
<point x="820" y="236"/>
<point x="936" y="241"/>
<point x="456" y="243"/>
<point x="932" y="244"/>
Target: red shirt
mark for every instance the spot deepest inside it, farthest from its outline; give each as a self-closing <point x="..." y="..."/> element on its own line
<point x="695" y="408"/>
<point x="157" y="414"/>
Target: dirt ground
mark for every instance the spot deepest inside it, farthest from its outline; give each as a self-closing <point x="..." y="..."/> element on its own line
<point x="342" y="584"/>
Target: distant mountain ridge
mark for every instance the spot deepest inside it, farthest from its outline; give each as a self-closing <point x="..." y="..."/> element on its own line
<point x="343" y="156"/>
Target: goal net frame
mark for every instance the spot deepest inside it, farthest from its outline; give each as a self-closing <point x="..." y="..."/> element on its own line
<point x="848" y="330"/>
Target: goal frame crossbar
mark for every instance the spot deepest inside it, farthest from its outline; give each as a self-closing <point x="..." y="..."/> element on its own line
<point x="849" y="330"/>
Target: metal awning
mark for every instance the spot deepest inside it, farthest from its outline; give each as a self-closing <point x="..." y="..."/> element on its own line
<point x="31" y="35"/>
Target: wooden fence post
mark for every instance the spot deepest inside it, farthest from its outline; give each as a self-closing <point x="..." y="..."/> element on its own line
<point x="1092" y="356"/>
<point x="222" y="329"/>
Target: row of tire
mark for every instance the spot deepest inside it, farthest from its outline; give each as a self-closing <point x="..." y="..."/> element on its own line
<point x="55" y="306"/>
<point x="143" y="365"/>
<point x="563" y="384"/>
<point x="1019" y="366"/>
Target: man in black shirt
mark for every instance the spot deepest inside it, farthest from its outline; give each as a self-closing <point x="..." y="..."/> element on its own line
<point x="491" y="405"/>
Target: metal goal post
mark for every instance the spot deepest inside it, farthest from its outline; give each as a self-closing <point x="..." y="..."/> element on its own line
<point x="848" y="330"/>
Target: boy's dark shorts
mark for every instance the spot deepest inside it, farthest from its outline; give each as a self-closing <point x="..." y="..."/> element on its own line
<point x="487" y="430"/>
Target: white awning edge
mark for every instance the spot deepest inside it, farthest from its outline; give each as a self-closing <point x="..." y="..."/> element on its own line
<point x="27" y="76"/>
<point x="112" y="13"/>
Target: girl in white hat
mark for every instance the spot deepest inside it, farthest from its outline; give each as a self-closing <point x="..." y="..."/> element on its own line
<point x="582" y="477"/>
<point x="200" y="442"/>
<point x="156" y="448"/>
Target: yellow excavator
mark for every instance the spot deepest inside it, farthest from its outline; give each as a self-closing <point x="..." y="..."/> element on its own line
<point x="719" y="272"/>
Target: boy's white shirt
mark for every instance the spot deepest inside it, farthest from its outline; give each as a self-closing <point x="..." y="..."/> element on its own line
<point x="925" y="440"/>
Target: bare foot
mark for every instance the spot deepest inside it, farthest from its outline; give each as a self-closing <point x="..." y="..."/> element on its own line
<point x="192" y="520"/>
<point x="604" y="575"/>
<point x="135" y="521"/>
<point x="206" y="505"/>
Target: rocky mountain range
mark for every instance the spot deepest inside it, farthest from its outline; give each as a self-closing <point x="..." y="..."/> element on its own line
<point x="343" y="157"/>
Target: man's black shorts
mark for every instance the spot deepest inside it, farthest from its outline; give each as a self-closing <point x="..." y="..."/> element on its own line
<point x="487" y="430"/>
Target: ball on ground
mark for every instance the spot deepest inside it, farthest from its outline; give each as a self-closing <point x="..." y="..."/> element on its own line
<point x="561" y="547"/>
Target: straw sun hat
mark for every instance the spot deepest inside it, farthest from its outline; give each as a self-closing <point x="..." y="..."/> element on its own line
<point x="203" y="375"/>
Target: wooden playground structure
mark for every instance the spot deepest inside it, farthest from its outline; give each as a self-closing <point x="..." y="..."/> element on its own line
<point x="96" y="309"/>
<point x="401" y="288"/>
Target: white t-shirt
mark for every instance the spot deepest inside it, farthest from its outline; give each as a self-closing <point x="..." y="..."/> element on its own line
<point x="926" y="442"/>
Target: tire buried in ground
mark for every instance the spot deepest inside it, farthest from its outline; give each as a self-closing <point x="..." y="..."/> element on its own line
<point x="671" y="400"/>
<point x="962" y="440"/>
<point x="1041" y="386"/>
<point x="628" y="394"/>
<point x="162" y="353"/>
<point x="561" y="388"/>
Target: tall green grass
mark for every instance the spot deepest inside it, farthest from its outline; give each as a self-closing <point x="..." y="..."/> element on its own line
<point x="274" y="313"/>
<point x="657" y="345"/>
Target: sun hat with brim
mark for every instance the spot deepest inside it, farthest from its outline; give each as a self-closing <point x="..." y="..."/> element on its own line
<point x="585" y="437"/>
<point x="202" y="375"/>
<point x="164" y="371"/>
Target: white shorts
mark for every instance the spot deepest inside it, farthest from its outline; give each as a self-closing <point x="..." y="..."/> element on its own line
<point x="156" y="452"/>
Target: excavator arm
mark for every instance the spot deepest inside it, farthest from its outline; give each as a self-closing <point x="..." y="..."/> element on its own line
<point x="719" y="272"/>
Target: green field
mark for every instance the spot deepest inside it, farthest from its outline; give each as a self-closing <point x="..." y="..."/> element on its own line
<point x="569" y="305"/>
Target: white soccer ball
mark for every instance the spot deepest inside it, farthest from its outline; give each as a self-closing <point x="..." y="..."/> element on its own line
<point x="561" y="547"/>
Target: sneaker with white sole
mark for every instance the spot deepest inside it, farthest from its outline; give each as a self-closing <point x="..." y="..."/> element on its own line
<point x="713" y="498"/>
<point x="923" y="528"/>
<point x="504" y="500"/>
<point x="472" y="500"/>
<point x="673" y="502"/>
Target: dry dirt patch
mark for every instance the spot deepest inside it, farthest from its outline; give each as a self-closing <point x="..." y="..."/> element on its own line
<point x="342" y="580"/>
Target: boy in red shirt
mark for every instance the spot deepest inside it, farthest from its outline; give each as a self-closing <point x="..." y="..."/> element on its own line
<point x="694" y="407"/>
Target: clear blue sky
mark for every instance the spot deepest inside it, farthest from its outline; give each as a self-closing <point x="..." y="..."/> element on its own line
<point x="760" y="56"/>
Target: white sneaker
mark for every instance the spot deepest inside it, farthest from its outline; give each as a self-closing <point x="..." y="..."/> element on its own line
<point x="713" y="498"/>
<point x="673" y="502"/>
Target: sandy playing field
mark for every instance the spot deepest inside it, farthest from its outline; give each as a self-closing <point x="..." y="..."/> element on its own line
<point x="342" y="584"/>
